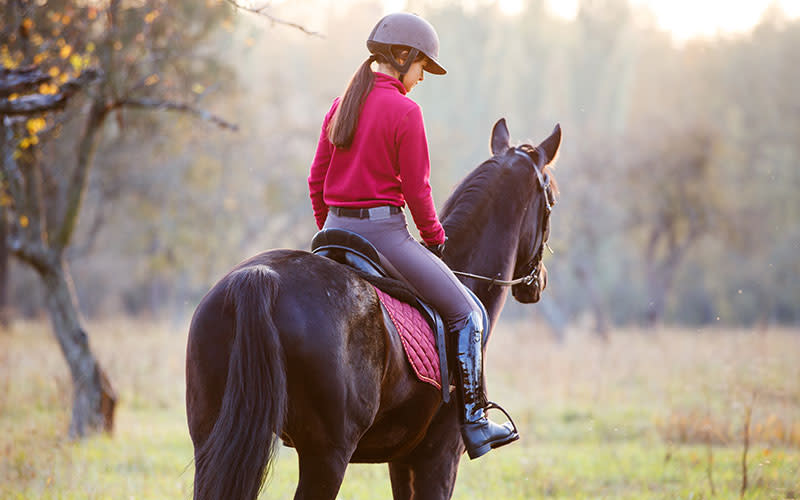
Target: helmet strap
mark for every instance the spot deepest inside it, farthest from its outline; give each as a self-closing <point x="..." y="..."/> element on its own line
<point x="403" y="69"/>
<point x="386" y="53"/>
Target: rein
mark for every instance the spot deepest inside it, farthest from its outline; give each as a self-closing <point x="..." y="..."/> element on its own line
<point x="533" y="276"/>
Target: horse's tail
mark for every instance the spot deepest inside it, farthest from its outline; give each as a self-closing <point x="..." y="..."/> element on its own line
<point x="234" y="461"/>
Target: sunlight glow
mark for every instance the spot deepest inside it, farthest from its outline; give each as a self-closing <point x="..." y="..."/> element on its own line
<point x="687" y="19"/>
<point x="510" y="7"/>
<point x="566" y="9"/>
<point x="702" y="18"/>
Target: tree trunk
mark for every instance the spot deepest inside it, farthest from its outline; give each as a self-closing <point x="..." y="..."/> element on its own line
<point x="5" y="315"/>
<point x="94" y="398"/>
<point x="584" y="274"/>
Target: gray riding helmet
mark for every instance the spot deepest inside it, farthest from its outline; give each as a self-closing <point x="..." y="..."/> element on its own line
<point x="402" y="28"/>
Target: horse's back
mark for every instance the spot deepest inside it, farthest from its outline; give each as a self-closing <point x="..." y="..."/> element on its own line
<point x="347" y="377"/>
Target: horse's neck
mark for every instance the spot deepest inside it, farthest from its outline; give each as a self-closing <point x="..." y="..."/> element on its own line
<point x="492" y="252"/>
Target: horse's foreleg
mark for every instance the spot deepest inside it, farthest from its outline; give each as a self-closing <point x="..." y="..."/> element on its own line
<point x="400" y="474"/>
<point x="321" y="474"/>
<point x="424" y="479"/>
<point x="429" y="472"/>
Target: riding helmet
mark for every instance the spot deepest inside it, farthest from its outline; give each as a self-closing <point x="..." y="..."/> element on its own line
<point x="402" y="28"/>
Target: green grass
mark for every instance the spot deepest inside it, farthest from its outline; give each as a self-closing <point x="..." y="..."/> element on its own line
<point x="641" y="416"/>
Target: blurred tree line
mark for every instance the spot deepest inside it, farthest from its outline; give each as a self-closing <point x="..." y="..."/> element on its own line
<point x="678" y="171"/>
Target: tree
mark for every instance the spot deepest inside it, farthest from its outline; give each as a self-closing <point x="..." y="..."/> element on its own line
<point x="680" y="206"/>
<point x="125" y="56"/>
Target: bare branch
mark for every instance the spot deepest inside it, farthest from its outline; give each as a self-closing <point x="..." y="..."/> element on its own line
<point x="148" y="103"/>
<point x="76" y="186"/>
<point x="261" y="11"/>
<point x="21" y="80"/>
<point x="40" y="103"/>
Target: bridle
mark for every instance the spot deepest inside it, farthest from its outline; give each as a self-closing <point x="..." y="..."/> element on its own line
<point x="535" y="263"/>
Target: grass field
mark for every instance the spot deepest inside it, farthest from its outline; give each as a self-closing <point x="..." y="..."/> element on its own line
<point x="659" y="415"/>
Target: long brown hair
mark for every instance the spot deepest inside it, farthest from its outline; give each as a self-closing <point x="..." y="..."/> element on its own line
<point x="342" y="127"/>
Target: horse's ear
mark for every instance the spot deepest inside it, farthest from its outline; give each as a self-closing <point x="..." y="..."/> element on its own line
<point x="552" y="145"/>
<point x="500" y="137"/>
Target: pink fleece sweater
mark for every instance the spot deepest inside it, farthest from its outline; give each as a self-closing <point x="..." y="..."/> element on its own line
<point x="387" y="163"/>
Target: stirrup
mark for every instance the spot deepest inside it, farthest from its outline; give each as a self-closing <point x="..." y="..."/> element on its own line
<point x="492" y="405"/>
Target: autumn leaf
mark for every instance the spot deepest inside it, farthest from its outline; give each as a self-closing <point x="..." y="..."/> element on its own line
<point x="35" y="125"/>
<point x="48" y="89"/>
<point x="77" y="62"/>
<point x="54" y="71"/>
<point x="66" y="50"/>
<point x="23" y="220"/>
<point x="151" y="80"/>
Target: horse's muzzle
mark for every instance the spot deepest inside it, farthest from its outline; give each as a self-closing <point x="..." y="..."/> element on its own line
<point x="529" y="294"/>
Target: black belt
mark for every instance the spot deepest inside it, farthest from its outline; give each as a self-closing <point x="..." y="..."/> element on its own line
<point x="366" y="213"/>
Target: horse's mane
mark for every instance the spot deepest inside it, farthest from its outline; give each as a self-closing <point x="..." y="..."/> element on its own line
<point x="463" y="208"/>
<point x="470" y="195"/>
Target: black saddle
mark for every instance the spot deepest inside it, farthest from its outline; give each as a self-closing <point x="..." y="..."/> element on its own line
<point x="353" y="250"/>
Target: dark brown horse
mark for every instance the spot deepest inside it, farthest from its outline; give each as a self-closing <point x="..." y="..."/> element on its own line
<point x="292" y="345"/>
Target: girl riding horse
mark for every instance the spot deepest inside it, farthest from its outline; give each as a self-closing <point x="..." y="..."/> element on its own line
<point x="371" y="160"/>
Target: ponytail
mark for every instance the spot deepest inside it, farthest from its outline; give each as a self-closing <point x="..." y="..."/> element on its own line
<point x="342" y="127"/>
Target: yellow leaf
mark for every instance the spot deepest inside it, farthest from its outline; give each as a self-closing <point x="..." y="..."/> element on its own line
<point x="34" y="140"/>
<point x="23" y="220"/>
<point x="7" y="60"/>
<point x="151" y="16"/>
<point x="36" y="39"/>
<point x="198" y="89"/>
<point x="90" y="47"/>
<point x="54" y="71"/>
<point x="48" y="89"/>
<point x="151" y="80"/>
<point x="66" y="50"/>
<point x="27" y="23"/>
<point x="38" y="58"/>
<point x="13" y="97"/>
<point x="24" y="143"/>
<point x="66" y="19"/>
<point x="55" y="16"/>
<point x="63" y="78"/>
<point x="35" y="125"/>
<point x="5" y="200"/>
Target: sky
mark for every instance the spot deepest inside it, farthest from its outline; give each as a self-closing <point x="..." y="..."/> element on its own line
<point x="687" y="19"/>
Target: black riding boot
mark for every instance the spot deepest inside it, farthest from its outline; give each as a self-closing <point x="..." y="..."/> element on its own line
<point x="480" y="434"/>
